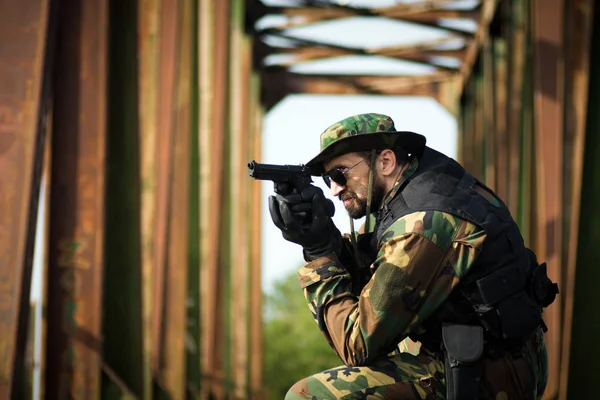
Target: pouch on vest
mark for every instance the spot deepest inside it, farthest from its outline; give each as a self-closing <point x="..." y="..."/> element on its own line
<point x="463" y="351"/>
<point x="357" y="263"/>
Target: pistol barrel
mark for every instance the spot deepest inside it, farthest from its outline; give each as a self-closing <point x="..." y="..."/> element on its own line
<point x="274" y="172"/>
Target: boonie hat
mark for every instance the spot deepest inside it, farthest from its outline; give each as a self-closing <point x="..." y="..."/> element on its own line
<point x="363" y="132"/>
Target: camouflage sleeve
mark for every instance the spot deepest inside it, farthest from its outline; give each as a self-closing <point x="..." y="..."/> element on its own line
<point x="420" y="260"/>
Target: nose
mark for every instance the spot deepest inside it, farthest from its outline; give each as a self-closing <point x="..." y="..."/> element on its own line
<point x="336" y="189"/>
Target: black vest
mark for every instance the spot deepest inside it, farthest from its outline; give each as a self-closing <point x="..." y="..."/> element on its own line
<point x="497" y="292"/>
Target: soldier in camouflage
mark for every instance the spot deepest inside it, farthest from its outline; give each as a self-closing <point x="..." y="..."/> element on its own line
<point x="422" y="262"/>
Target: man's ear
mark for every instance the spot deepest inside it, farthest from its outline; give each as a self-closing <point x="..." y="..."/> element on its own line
<point x="388" y="162"/>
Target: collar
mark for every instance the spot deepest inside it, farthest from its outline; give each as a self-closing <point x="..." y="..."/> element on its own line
<point x="406" y="174"/>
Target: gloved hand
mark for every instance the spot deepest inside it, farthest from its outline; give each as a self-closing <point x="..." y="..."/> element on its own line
<point x="305" y="219"/>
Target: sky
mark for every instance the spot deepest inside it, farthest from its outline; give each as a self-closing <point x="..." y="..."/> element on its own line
<point x="291" y="136"/>
<point x="291" y="129"/>
<point x="291" y="132"/>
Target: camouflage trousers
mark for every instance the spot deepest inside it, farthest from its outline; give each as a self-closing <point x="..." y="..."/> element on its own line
<point x="421" y="377"/>
<point x="402" y="376"/>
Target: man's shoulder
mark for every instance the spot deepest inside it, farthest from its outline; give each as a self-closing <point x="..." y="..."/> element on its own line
<point x="442" y="228"/>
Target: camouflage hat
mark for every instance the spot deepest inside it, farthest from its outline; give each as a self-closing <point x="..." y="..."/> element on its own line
<point x="363" y="132"/>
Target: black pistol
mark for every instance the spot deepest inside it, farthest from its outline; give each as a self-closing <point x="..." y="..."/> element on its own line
<point x="288" y="180"/>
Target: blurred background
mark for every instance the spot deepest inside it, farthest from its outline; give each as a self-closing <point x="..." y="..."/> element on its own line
<point x="137" y="257"/>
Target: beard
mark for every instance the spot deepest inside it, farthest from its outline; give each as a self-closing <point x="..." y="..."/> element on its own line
<point x="357" y="206"/>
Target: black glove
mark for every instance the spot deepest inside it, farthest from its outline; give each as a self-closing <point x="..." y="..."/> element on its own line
<point x="305" y="219"/>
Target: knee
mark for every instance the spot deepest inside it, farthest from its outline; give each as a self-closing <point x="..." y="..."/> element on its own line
<point x="298" y="391"/>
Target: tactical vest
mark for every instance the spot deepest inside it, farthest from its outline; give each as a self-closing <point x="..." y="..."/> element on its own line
<point x="506" y="288"/>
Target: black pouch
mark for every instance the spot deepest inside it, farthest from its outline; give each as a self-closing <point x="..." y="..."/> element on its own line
<point x="358" y="268"/>
<point x="463" y="351"/>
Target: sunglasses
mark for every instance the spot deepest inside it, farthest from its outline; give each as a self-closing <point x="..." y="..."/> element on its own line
<point x="338" y="175"/>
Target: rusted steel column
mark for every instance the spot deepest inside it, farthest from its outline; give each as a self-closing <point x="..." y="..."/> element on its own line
<point x="26" y="389"/>
<point x="240" y="65"/>
<point x="488" y="10"/>
<point x="586" y="323"/>
<point x="41" y="356"/>
<point x="516" y="68"/>
<point x="579" y="23"/>
<point x="215" y="364"/>
<point x="254" y="231"/>
<point x="168" y="42"/>
<point x="526" y="216"/>
<point x="148" y="31"/>
<point x="499" y="138"/>
<point x="548" y="97"/>
<point x="122" y="300"/>
<point x="173" y="373"/>
<point x="77" y="203"/>
<point x="24" y="66"/>
<point x="194" y="321"/>
<point x="480" y="159"/>
<point x="445" y="93"/>
<point x="469" y="153"/>
<point x="461" y="127"/>
<point x="208" y="267"/>
<point x="488" y="95"/>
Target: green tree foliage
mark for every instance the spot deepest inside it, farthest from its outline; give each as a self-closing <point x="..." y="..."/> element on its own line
<point x="294" y="346"/>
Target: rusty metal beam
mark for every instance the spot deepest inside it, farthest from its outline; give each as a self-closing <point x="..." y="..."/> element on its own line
<point x="239" y="103"/>
<point x="433" y="23"/>
<point x="516" y="71"/>
<point x="488" y="95"/>
<point x="548" y="50"/>
<point x="488" y="10"/>
<point x="148" y="16"/>
<point x="208" y="268"/>
<point x="430" y="47"/>
<point x="467" y="153"/>
<point x="467" y="35"/>
<point x="586" y="324"/>
<point x="76" y="256"/>
<point x="579" y="25"/>
<point x="173" y="355"/>
<point x="173" y="371"/>
<point x="312" y="54"/>
<point x="285" y="83"/>
<point x="416" y="53"/>
<point x="168" y="34"/>
<point x="393" y="80"/>
<point x="500" y="138"/>
<point x="436" y="15"/>
<point x="26" y="29"/>
<point x="309" y="50"/>
<point x="122" y="324"/>
<point x="340" y="86"/>
<point x="479" y="124"/>
<point x="254" y="232"/>
<point x="43" y="367"/>
<point x="215" y="366"/>
<point x="445" y="95"/>
<point x="194" y="322"/>
<point x="423" y="11"/>
<point x="427" y="13"/>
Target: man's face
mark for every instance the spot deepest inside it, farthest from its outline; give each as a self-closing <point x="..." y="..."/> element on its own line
<point x="354" y="193"/>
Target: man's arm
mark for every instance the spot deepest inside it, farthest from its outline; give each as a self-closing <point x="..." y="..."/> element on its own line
<point x="423" y="257"/>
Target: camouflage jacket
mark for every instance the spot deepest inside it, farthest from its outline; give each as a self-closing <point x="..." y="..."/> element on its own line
<point x="422" y="258"/>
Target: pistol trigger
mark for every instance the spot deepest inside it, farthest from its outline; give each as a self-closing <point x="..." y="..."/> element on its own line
<point x="294" y="198"/>
<point x="330" y="208"/>
<point x="300" y="208"/>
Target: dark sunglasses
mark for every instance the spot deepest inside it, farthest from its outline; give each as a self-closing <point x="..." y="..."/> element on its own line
<point x="337" y="175"/>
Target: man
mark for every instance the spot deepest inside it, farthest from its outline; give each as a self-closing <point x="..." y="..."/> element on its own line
<point x="440" y="263"/>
